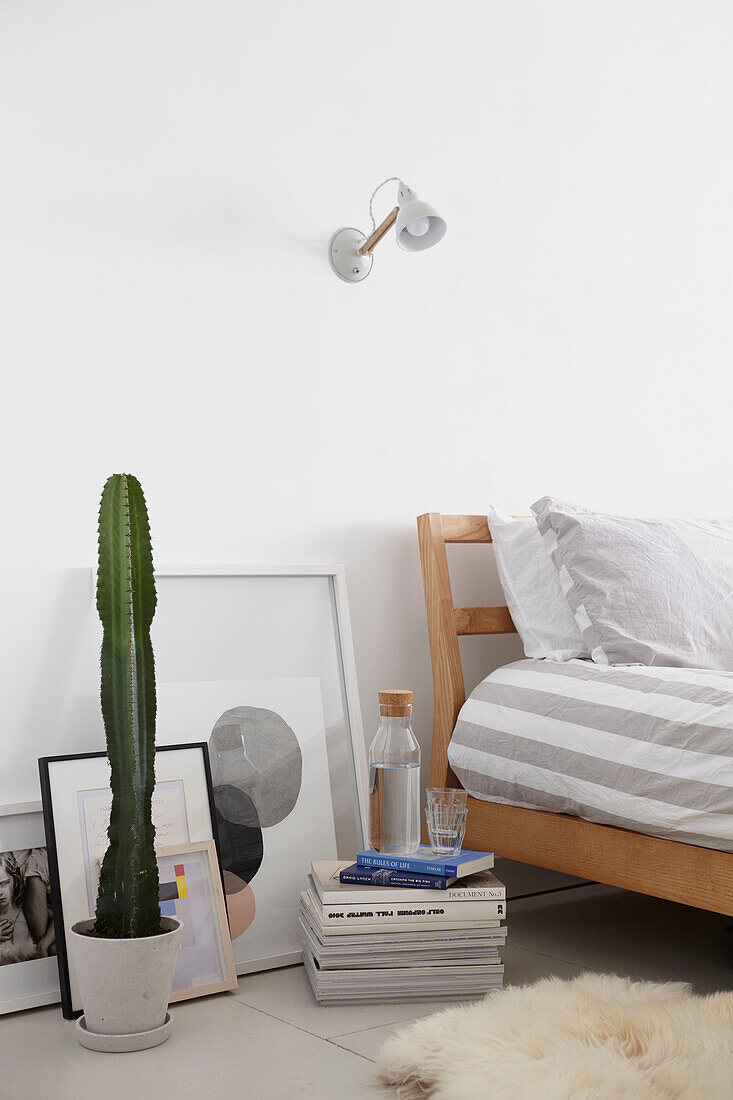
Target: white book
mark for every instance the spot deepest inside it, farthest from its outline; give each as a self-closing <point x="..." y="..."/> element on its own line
<point x="401" y="920"/>
<point x="392" y="979"/>
<point x="388" y="910"/>
<point x="491" y="934"/>
<point x="432" y="985"/>
<point x="337" y="957"/>
<point x="483" y="886"/>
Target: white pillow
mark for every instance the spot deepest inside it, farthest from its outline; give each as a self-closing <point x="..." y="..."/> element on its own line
<point x="531" y="586"/>
<point x="649" y="592"/>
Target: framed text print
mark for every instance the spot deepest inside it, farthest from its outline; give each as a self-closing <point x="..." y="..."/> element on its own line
<point x="76" y="806"/>
<point x="258" y="661"/>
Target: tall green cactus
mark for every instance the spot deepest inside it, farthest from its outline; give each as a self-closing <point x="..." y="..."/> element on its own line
<point x="127" y="904"/>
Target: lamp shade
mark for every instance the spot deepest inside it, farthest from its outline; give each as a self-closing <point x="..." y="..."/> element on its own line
<point x="418" y="226"/>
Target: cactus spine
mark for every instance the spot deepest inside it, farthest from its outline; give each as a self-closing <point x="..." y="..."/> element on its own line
<point x="127" y="903"/>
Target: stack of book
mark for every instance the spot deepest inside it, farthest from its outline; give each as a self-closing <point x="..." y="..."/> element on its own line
<point x="408" y="928"/>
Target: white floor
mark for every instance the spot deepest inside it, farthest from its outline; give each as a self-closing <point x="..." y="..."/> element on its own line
<point x="270" y="1041"/>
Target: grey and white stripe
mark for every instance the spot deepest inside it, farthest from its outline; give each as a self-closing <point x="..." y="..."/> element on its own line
<point x="641" y="748"/>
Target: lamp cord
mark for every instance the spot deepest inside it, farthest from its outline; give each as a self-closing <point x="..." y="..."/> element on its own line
<point x="395" y="179"/>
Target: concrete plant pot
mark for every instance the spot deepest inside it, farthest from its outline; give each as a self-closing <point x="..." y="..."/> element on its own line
<point x="125" y="984"/>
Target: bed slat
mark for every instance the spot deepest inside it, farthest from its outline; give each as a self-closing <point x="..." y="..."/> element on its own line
<point x="483" y="620"/>
<point x="465" y="529"/>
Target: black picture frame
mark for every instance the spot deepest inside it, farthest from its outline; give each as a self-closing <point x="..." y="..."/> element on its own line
<point x="44" y="765"/>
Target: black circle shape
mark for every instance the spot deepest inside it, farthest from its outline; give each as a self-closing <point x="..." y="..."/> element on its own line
<point x="240" y="845"/>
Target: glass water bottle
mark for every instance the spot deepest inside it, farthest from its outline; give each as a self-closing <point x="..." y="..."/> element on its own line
<point x="394" y="778"/>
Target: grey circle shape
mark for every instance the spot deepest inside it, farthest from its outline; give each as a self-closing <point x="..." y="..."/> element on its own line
<point x="256" y="751"/>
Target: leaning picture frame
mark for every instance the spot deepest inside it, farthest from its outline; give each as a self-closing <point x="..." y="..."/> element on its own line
<point x="259" y="660"/>
<point x="191" y="890"/>
<point x="76" y="799"/>
<point x="28" y="969"/>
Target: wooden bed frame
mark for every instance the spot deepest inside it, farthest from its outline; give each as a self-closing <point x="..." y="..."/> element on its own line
<point x="668" y="869"/>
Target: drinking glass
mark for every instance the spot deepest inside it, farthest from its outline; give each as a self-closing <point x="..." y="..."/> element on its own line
<point x="448" y="796"/>
<point x="446" y="827"/>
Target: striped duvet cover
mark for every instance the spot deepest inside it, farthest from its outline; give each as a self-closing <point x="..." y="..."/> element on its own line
<point x="648" y="749"/>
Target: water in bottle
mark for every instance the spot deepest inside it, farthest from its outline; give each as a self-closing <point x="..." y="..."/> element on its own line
<point x="394" y="778"/>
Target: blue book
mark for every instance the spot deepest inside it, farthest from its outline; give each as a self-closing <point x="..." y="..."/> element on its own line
<point x="424" y="862"/>
<point x="379" y="876"/>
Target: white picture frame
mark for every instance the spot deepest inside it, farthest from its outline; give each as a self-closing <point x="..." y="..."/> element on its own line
<point x="337" y="576"/>
<point x="274" y="942"/>
<point x="34" y="982"/>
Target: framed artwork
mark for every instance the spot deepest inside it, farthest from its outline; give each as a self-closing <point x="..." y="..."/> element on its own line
<point x="258" y="661"/>
<point x="76" y="800"/>
<point x="28" y="969"/>
<point x="191" y="889"/>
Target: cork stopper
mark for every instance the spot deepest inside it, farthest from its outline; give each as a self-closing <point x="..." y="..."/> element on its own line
<point x="395" y="703"/>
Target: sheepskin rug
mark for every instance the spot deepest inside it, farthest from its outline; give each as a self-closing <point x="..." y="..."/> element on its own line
<point x="597" y="1037"/>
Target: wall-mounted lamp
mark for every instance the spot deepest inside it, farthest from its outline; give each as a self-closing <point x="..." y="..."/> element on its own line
<point x="417" y="227"/>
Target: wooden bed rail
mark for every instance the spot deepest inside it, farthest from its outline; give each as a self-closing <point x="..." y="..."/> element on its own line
<point x="446" y="623"/>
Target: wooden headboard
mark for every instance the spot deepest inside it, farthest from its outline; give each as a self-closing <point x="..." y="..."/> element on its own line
<point x="446" y="622"/>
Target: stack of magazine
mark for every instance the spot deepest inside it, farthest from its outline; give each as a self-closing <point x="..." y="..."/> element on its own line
<point x="407" y="928"/>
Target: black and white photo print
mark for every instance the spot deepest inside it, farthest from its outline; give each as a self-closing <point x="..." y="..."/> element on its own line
<point x="26" y="919"/>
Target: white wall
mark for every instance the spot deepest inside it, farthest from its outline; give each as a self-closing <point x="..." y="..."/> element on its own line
<point x="171" y="173"/>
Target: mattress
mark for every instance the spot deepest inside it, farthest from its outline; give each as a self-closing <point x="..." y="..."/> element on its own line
<point x="648" y="749"/>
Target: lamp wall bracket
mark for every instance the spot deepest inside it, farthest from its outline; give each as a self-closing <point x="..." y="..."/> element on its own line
<point x="347" y="260"/>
